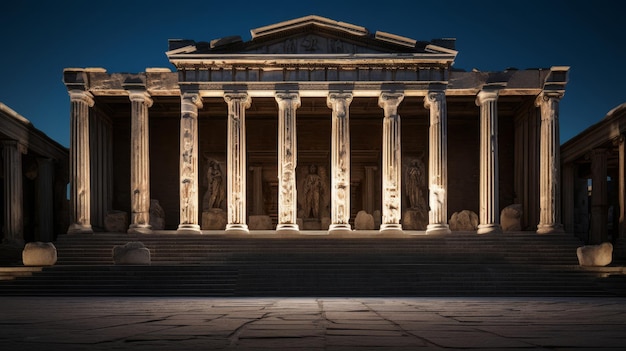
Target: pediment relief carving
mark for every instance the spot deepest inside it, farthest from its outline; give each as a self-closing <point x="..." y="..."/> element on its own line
<point x="313" y="43"/>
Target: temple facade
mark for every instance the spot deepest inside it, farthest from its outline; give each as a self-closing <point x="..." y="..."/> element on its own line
<point x="308" y="125"/>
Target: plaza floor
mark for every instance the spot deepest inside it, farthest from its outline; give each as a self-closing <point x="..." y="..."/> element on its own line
<point x="138" y="323"/>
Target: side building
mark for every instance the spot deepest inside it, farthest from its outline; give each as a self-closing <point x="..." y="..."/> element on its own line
<point x="305" y="125"/>
<point x="34" y="177"/>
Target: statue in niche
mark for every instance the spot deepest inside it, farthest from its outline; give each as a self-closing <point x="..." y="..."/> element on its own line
<point x="415" y="183"/>
<point x="313" y="190"/>
<point x="214" y="196"/>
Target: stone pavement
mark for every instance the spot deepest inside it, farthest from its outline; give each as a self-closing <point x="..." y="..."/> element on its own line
<point x="139" y="323"/>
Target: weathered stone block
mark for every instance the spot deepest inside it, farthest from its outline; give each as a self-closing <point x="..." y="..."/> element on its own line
<point x="465" y="220"/>
<point x="259" y="222"/>
<point x="134" y="252"/>
<point x="414" y="220"/>
<point x="39" y="254"/>
<point x="511" y="218"/>
<point x="116" y="222"/>
<point x="595" y="255"/>
<point x="364" y="221"/>
<point x="214" y="219"/>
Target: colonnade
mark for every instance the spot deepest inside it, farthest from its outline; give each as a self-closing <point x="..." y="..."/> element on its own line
<point x="288" y="103"/>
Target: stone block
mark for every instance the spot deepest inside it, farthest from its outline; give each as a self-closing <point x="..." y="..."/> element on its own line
<point x="465" y="220"/>
<point x="134" y="252"/>
<point x="511" y="218"/>
<point x="214" y="219"/>
<point x="116" y="222"/>
<point x="259" y="222"/>
<point x="364" y="221"/>
<point x="595" y="255"/>
<point x="39" y="254"/>
<point x="414" y="219"/>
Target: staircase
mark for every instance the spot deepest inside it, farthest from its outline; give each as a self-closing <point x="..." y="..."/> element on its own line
<point x="352" y="264"/>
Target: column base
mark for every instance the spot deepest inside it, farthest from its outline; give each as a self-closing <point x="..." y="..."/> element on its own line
<point x="235" y="228"/>
<point x="438" y="229"/>
<point x="549" y="228"/>
<point x="339" y="228"/>
<point x="77" y="228"/>
<point x="287" y="228"/>
<point x="489" y="228"/>
<point x="139" y="229"/>
<point x="391" y="228"/>
<point x="188" y="229"/>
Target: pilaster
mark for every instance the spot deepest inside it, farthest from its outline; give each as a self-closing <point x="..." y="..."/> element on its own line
<point x="12" y="151"/>
<point x="190" y="103"/>
<point x="391" y="171"/>
<point x="489" y="216"/>
<point x="140" y="162"/>
<point x="236" y="161"/>
<point x="549" y="159"/>
<point x="437" y="163"/>
<point x="287" y="162"/>
<point x="340" y="161"/>
<point x="80" y="163"/>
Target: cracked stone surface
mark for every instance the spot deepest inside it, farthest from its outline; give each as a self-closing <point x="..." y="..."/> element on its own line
<point x="54" y="323"/>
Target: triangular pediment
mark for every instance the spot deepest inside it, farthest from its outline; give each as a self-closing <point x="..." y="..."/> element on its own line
<point x="310" y="35"/>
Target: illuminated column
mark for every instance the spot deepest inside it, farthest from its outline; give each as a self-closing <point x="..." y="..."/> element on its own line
<point x="391" y="162"/>
<point x="190" y="102"/>
<point x="12" y="151"/>
<point x="139" y="163"/>
<point x="236" y="161"/>
<point x="489" y="217"/>
<point x="437" y="163"/>
<point x="80" y="172"/>
<point x="340" y="161"/>
<point x="45" y="199"/>
<point x="287" y="162"/>
<point x="549" y="159"/>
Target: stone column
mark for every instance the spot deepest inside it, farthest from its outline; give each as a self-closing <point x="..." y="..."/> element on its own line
<point x="190" y="102"/>
<point x="340" y="161"/>
<point x="12" y="151"/>
<point x="287" y="162"/>
<point x="80" y="165"/>
<point x="437" y="163"/>
<point x="45" y="199"/>
<point x="236" y="161"/>
<point x="369" y="188"/>
<point x="489" y="216"/>
<point x="599" y="204"/>
<point x="621" y="141"/>
<point x="391" y="163"/>
<point x="549" y="159"/>
<point x="139" y="163"/>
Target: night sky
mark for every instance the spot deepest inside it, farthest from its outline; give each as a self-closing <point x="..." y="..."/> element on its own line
<point x="41" y="38"/>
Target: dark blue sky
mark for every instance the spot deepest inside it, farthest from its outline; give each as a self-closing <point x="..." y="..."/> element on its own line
<point x="40" y="38"/>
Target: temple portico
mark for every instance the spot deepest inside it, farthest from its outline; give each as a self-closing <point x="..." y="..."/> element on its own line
<point x="309" y="123"/>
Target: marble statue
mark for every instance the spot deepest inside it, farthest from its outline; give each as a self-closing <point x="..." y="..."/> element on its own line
<point x="215" y="194"/>
<point x="313" y="188"/>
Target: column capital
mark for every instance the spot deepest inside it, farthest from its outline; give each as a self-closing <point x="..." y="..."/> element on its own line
<point x="243" y="98"/>
<point x="288" y="98"/>
<point x="332" y="97"/>
<point x="81" y="95"/>
<point x="548" y="95"/>
<point x="489" y="92"/>
<point x="21" y="147"/>
<point x="193" y="97"/>
<point x="434" y="96"/>
<point x="138" y="95"/>
<point x="389" y="102"/>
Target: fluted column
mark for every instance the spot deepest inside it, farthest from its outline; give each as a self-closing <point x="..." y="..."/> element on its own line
<point x="45" y="199"/>
<point x="489" y="216"/>
<point x="437" y="163"/>
<point x="236" y="161"/>
<point x="139" y="162"/>
<point x="549" y="159"/>
<point x="287" y="162"/>
<point x="12" y="151"/>
<point x="190" y="103"/>
<point x="80" y="164"/>
<point x="340" y="161"/>
<point x="391" y="162"/>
